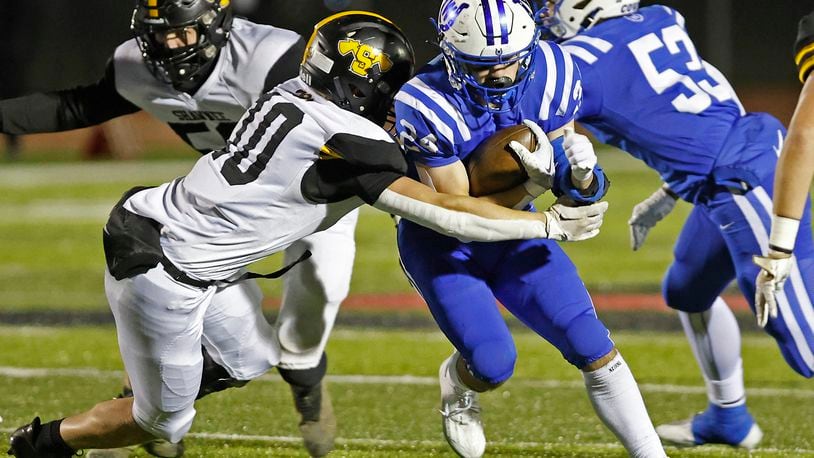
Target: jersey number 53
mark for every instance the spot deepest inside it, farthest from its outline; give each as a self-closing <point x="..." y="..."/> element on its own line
<point x="692" y="75"/>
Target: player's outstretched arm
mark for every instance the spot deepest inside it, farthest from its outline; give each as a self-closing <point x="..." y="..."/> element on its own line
<point x="469" y="218"/>
<point x="795" y="169"/>
<point x="57" y="111"/>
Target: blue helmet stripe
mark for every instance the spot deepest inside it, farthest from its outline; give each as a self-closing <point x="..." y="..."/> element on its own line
<point x="487" y="16"/>
<point x="504" y="27"/>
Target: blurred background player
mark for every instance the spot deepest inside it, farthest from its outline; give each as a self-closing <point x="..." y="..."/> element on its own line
<point x="196" y="68"/>
<point x="792" y="184"/>
<point x="302" y="157"/>
<point x="648" y="92"/>
<point x="492" y="74"/>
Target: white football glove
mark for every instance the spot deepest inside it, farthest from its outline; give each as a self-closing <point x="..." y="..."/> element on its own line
<point x="538" y="164"/>
<point x="774" y="269"/>
<point x="572" y="224"/>
<point x="647" y="213"/>
<point x="580" y="154"/>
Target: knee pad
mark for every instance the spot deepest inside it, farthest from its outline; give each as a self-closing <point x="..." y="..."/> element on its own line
<point x="681" y="293"/>
<point x="214" y="377"/>
<point x="171" y="426"/>
<point x="493" y="361"/>
<point x="588" y="339"/>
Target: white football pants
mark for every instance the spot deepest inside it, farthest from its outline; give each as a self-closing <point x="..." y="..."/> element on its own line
<point x="313" y="290"/>
<point x="161" y="325"/>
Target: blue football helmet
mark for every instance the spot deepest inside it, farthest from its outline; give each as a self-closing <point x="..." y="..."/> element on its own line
<point x="482" y="34"/>
<point x="563" y="19"/>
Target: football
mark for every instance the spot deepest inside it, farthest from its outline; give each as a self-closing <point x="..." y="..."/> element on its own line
<point x="493" y="166"/>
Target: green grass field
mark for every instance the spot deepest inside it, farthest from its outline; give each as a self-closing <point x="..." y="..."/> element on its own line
<point x="387" y="404"/>
<point x="51" y="216"/>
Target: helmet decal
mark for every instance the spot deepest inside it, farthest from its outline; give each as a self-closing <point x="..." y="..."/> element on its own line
<point x="365" y="57"/>
<point x="449" y="12"/>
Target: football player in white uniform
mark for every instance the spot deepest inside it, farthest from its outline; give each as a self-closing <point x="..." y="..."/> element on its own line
<point x="194" y="67"/>
<point x="302" y="157"/>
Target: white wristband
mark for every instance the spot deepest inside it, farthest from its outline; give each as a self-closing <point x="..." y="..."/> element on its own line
<point x="784" y="233"/>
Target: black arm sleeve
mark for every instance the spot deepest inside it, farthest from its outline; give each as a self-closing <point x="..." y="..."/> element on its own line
<point x="804" y="47"/>
<point x="356" y="166"/>
<point x="65" y="110"/>
<point x="334" y="180"/>
<point x="286" y="67"/>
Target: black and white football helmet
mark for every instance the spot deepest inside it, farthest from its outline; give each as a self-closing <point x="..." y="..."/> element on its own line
<point x="359" y="60"/>
<point x="187" y="66"/>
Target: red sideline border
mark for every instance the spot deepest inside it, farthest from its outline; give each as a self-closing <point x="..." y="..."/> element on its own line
<point x="614" y="302"/>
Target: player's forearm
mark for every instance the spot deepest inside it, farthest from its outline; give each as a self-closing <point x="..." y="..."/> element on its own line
<point x="68" y="109"/>
<point x="52" y="112"/>
<point x="459" y="216"/>
<point x="36" y="113"/>
<point x="795" y="167"/>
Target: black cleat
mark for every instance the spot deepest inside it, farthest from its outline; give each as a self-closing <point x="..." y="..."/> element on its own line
<point x="164" y="448"/>
<point x="21" y="442"/>
<point x="318" y="423"/>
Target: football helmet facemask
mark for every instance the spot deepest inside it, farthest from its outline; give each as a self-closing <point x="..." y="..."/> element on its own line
<point x="563" y="19"/>
<point x="203" y="27"/>
<point x="359" y="60"/>
<point x="486" y="33"/>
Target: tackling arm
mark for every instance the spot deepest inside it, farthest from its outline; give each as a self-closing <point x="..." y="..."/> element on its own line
<point x="65" y="110"/>
<point x="468" y="218"/>
<point x="453" y="179"/>
<point x="795" y="169"/>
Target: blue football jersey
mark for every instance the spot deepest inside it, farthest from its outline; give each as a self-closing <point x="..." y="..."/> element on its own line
<point x="437" y="126"/>
<point x="648" y="92"/>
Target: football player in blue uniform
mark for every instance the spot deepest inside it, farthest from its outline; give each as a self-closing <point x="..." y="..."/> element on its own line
<point x="494" y="72"/>
<point x="648" y="92"/>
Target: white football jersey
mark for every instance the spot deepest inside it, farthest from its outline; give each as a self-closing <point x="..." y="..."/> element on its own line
<point x="205" y="119"/>
<point x="272" y="184"/>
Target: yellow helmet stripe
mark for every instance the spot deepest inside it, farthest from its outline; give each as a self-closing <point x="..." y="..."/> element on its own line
<point x="804" y="69"/>
<point x="152" y="8"/>
<point x="803" y="52"/>
<point x="328" y="19"/>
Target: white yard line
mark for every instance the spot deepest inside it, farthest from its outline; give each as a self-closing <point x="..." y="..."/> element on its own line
<point x="415" y="380"/>
<point x="23" y="176"/>
<point x="56" y="211"/>
<point x="371" y="442"/>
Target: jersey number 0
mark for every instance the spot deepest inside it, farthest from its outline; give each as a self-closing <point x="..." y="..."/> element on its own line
<point x="245" y="140"/>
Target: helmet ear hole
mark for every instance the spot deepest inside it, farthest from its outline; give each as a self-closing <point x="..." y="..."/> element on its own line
<point x="356" y="91"/>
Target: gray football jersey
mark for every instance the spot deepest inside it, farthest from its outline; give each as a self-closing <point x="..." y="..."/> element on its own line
<point x="277" y="180"/>
<point x="205" y="120"/>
